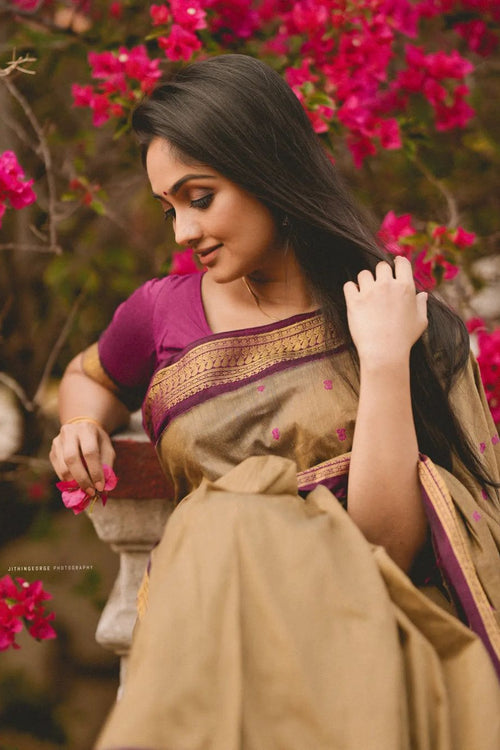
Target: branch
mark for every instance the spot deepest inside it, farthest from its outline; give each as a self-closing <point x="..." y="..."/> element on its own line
<point x="453" y="214"/>
<point x="56" y="249"/>
<point x="46" y="157"/>
<point x="16" y="64"/>
<point x="59" y="344"/>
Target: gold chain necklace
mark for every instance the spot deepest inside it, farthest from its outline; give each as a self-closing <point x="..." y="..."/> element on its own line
<point x="257" y="301"/>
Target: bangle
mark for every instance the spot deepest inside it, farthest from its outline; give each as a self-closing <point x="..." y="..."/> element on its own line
<point x="83" y="419"/>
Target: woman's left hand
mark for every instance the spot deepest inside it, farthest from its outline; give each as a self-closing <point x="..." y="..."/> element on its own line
<point x="384" y="313"/>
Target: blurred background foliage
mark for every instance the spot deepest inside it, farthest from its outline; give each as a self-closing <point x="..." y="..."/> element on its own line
<point x="94" y="234"/>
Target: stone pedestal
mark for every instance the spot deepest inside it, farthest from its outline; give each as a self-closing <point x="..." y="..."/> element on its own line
<point x="131" y="523"/>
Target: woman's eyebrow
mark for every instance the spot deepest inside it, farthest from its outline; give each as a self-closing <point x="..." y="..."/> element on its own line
<point x="177" y="185"/>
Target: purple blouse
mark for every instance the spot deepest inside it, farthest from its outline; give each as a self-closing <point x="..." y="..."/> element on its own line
<point x="154" y="324"/>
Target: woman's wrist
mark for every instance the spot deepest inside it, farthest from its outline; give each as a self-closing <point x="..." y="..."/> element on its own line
<point x="385" y="362"/>
<point x="73" y="420"/>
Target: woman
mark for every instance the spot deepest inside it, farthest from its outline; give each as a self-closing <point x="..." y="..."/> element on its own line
<point x="299" y="377"/>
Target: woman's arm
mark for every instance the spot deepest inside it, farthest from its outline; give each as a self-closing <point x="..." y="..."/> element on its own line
<point x="82" y="447"/>
<point x="386" y="317"/>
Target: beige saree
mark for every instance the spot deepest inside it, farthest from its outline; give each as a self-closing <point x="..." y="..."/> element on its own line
<point x="268" y="622"/>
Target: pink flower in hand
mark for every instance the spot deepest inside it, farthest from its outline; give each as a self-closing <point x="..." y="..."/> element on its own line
<point x="77" y="499"/>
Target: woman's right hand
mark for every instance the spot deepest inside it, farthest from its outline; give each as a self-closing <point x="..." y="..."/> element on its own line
<point x="79" y="452"/>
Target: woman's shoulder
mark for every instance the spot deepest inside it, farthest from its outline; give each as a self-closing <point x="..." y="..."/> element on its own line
<point x="173" y="285"/>
<point x="176" y="309"/>
<point x="160" y="295"/>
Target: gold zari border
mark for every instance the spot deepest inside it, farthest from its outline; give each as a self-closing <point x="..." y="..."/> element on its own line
<point x="232" y="359"/>
<point x="92" y="367"/>
<point x="329" y="469"/>
<point x="443" y="506"/>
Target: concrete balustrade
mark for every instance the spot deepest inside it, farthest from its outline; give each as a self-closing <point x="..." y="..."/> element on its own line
<point x="132" y="522"/>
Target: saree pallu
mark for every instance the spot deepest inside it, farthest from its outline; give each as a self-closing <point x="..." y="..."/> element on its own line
<point x="268" y="622"/>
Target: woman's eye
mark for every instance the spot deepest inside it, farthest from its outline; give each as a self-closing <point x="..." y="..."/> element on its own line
<point x="203" y="202"/>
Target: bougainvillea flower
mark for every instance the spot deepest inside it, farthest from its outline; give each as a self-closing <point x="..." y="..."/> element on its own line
<point x="488" y="359"/>
<point x="10" y="624"/>
<point x="188" y="14"/>
<point x="22" y="602"/>
<point x="41" y="629"/>
<point x="475" y="324"/>
<point x="180" y="44"/>
<point x="461" y="238"/>
<point x="160" y="14"/>
<point x="183" y="262"/>
<point x="13" y="188"/>
<point x="392" y="229"/>
<point x="77" y="499"/>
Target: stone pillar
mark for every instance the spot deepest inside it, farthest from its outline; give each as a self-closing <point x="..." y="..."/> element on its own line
<point x="131" y="523"/>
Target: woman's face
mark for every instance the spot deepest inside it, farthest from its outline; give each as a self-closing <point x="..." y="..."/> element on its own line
<point x="232" y="233"/>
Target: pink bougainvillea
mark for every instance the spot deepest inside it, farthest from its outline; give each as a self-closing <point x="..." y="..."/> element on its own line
<point x="180" y="44"/>
<point x="13" y="187"/>
<point x="488" y="357"/>
<point x="355" y="68"/>
<point x="434" y="252"/>
<point x="22" y="603"/>
<point x="123" y="76"/>
<point x="183" y="262"/>
<point x="77" y="499"/>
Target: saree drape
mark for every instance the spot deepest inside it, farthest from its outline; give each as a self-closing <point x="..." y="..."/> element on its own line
<point x="268" y="621"/>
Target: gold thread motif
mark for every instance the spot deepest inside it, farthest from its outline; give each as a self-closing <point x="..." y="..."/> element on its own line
<point x="143" y="596"/>
<point x="92" y="367"/>
<point x="333" y="467"/>
<point x="233" y="359"/>
<point x="431" y="480"/>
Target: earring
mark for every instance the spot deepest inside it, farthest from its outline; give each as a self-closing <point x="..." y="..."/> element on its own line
<point x="285" y="221"/>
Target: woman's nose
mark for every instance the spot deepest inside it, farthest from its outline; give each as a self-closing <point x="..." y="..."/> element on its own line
<point x="187" y="229"/>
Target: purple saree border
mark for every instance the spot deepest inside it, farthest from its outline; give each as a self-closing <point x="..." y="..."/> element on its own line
<point x="237" y="334"/>
<point x="334" y="470"/>
<point x="449" y="564"/>
<point x="216" y="390"/>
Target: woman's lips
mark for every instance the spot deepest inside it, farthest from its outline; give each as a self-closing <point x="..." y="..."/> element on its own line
<point x="206" y="256"/>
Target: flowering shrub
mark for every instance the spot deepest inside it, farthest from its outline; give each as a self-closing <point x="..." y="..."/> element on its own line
<point x="77" y="499"/>
<point x="13" y="188"/>
<point x="22" y="603"/>
<point x="488" y="358"/>
<point x="344" y="62"/>
<point x="123" y="77"/>
<point x="434" y="252"/>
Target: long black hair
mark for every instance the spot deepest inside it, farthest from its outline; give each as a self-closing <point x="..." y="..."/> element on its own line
<point x="238" y="116"/>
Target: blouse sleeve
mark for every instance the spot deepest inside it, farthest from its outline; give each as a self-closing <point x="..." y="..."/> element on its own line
<point x="124" y="358"/>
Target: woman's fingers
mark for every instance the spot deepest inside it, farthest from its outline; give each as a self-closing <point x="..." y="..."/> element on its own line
<point x="385" y="315"/>
<point x="365" y="279"/>
<point x="421" y="299"/>
<point x="57" y="461"/>
<point x="383" y="271"/>
<point x="403" y="269"/>
<point x="79" y="452"/>
<point x="108" y="454"/>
